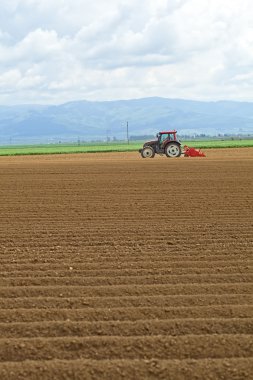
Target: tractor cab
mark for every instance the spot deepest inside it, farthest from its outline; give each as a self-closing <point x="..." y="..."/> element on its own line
<point x="164" y="137"/>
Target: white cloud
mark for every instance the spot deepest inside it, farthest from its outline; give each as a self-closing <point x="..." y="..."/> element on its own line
<point x="55" y="51"/>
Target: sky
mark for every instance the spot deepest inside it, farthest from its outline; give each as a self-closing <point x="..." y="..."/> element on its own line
<point x="55" y="51"/>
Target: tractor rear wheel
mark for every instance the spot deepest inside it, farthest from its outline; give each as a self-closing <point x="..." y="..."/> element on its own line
<point x="148" y="152"/>
<point x="173" y="150"/>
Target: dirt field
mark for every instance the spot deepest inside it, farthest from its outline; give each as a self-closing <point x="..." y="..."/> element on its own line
<point x="115" y="267"/>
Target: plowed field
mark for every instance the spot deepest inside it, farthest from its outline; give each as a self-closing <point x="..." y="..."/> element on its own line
<point x="115" y="267"/>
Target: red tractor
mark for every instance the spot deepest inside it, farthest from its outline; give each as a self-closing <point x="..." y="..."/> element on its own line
<point x="166" y="143"/>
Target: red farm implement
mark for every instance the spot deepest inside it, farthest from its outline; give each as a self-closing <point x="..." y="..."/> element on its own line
<point x="192" y="152"/>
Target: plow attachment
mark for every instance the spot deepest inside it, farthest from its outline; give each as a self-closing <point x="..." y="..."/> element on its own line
<point x="192" y="152"/>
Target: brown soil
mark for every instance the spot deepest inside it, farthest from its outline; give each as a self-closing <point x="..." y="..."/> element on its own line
<point x="115" y="267"/>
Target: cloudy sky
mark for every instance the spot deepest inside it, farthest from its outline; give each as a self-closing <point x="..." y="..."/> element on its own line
<point x="53" y="51"/>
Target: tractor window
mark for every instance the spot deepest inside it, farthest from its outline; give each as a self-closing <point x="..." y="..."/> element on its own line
<point x="164" y="136"/>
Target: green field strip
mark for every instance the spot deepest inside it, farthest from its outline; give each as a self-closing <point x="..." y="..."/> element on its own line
<point x="102" y="148"/>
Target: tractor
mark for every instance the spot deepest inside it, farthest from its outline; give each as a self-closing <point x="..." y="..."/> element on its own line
<point x="166" y="143"/>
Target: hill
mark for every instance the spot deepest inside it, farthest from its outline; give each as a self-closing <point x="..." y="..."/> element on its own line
<point x="93" y="120"/>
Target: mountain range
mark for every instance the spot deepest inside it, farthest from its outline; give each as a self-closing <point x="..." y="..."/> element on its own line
<point x="89" y="120"/>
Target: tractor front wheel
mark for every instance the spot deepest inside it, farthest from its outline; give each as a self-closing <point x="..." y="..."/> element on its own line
<point x="147" y="152"/>
<point x="173" y="150"/>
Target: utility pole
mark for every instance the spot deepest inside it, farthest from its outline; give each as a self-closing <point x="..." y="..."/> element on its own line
<point x="108" y="132"/>
<point x="127" y="133"/>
